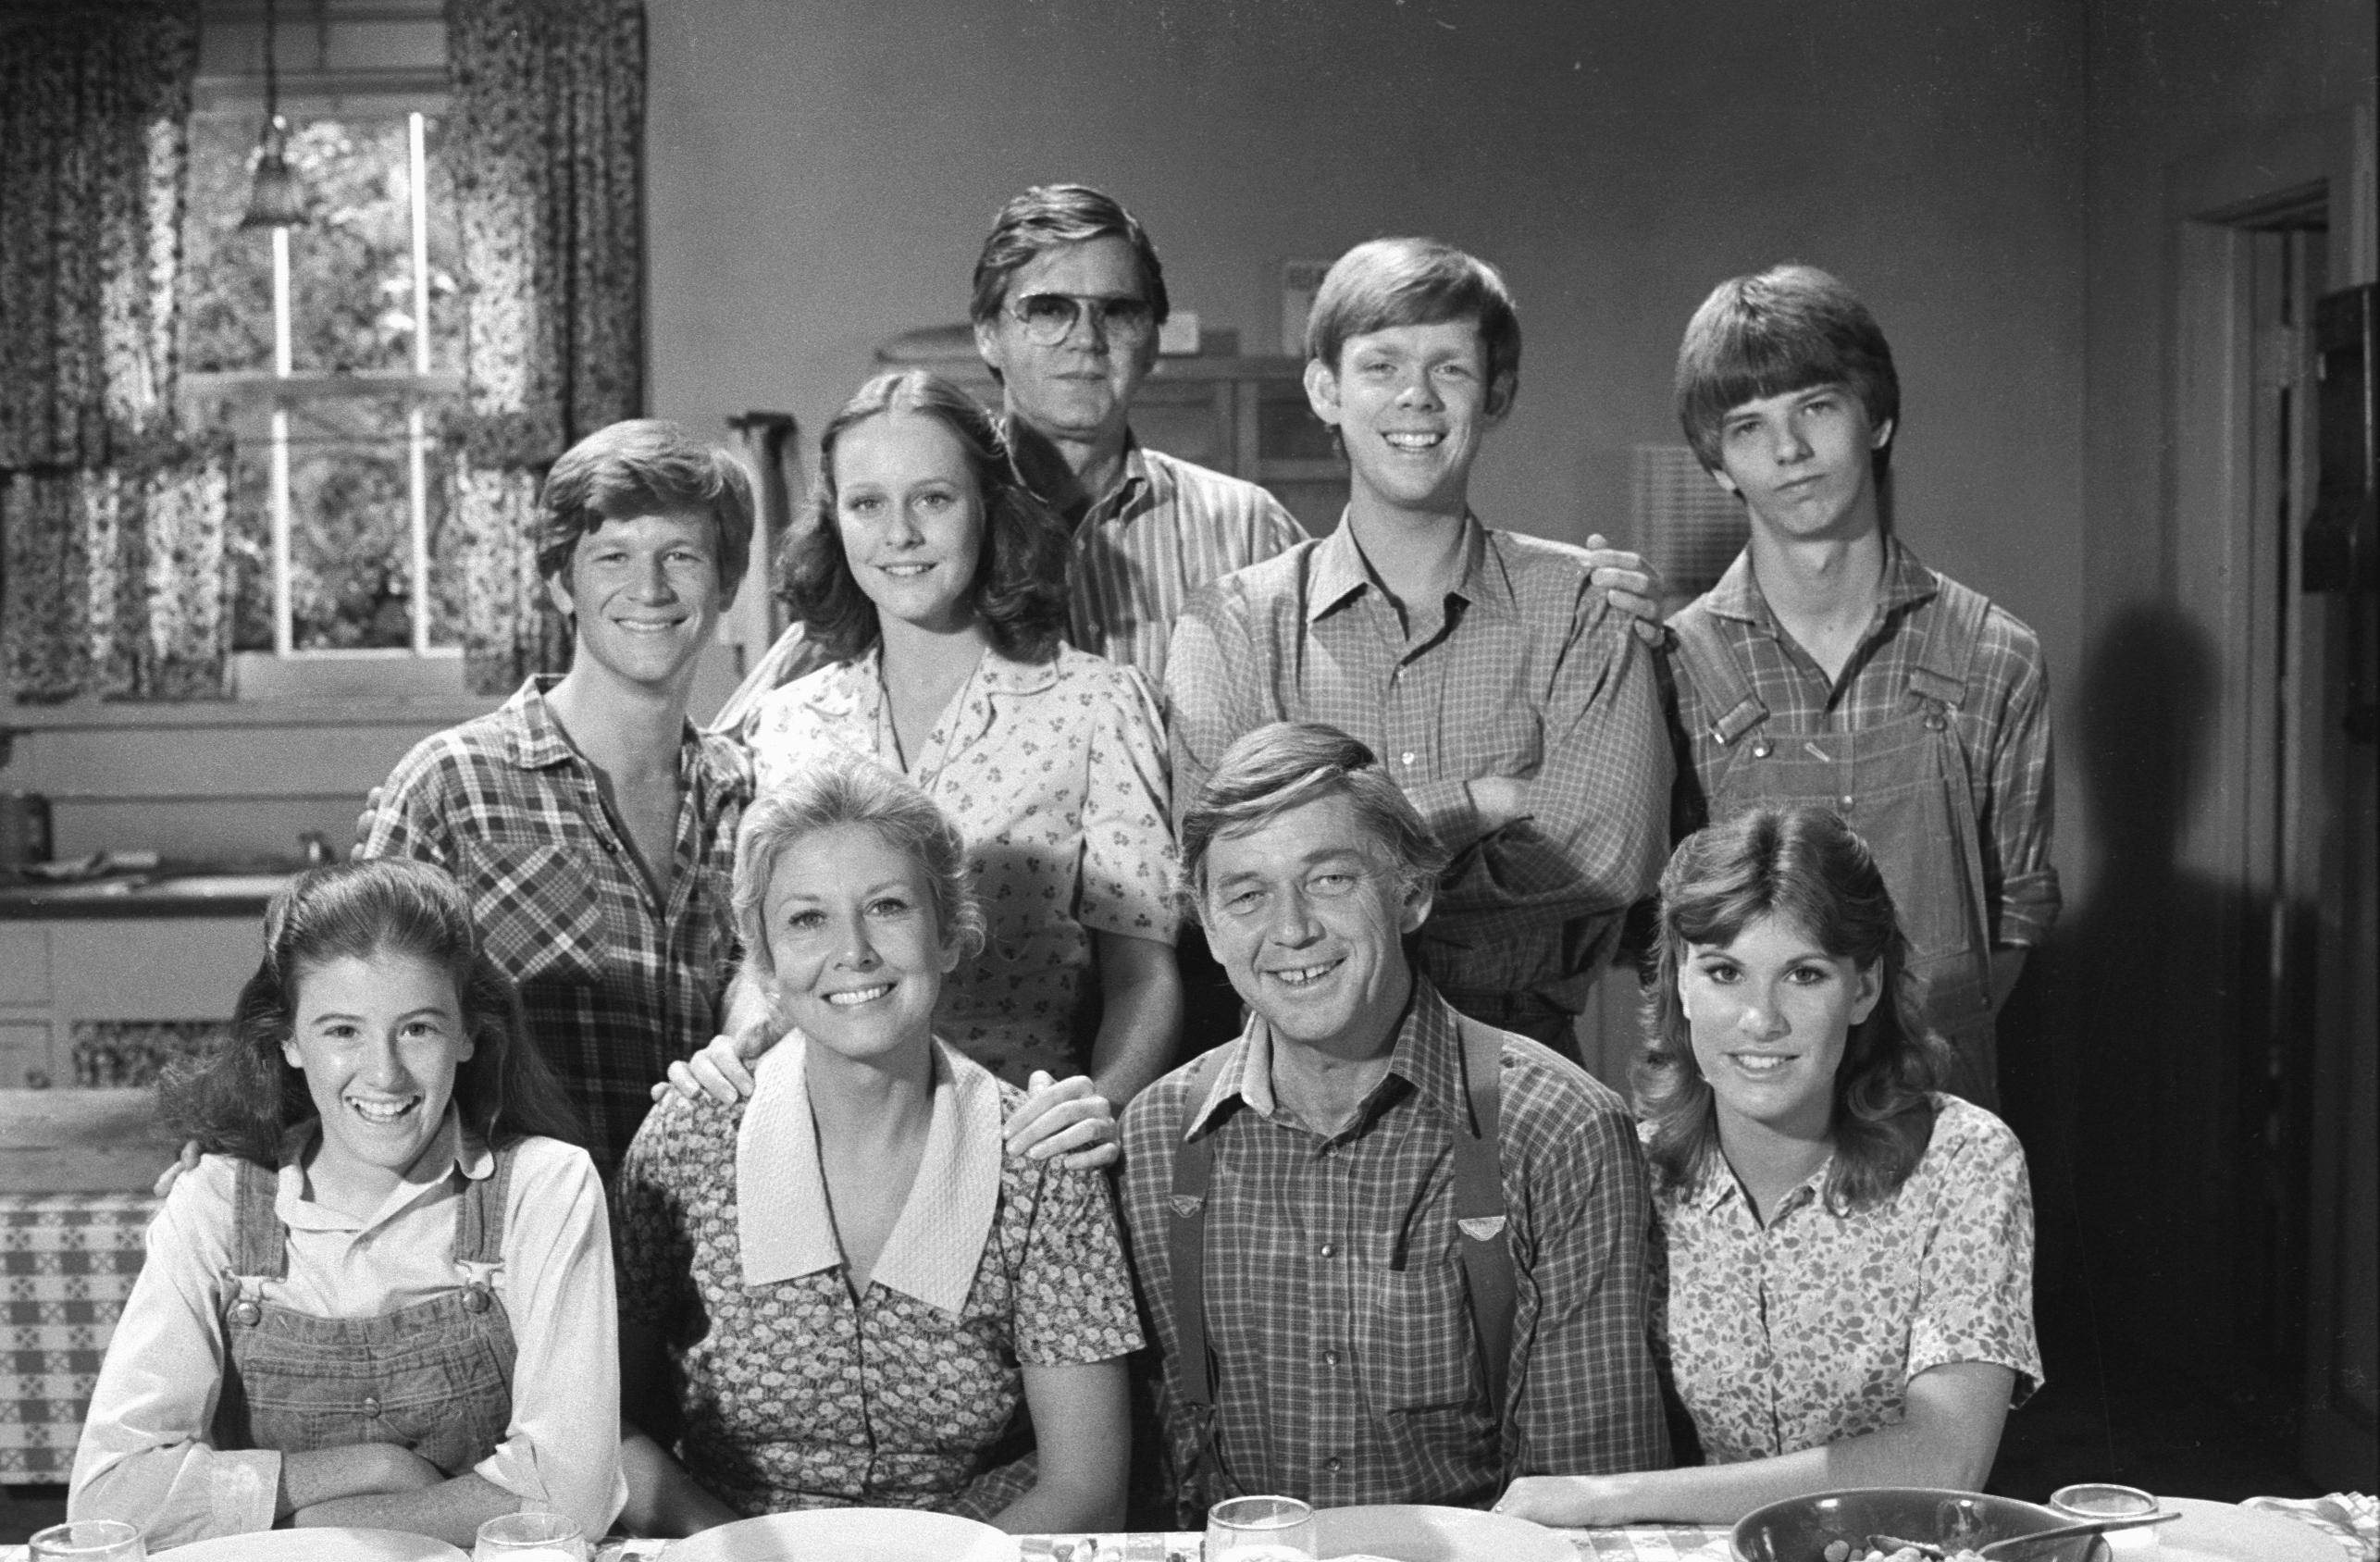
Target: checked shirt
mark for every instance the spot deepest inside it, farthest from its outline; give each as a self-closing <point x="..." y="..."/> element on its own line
<point x="1523" y="670"/>
<point x="617" y="985"/>
<point x="1347" y="1367"/>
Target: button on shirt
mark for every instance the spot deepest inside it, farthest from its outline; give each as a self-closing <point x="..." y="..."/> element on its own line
<point x="2002" y="725"/>
<point x="1348" y="1368"/>
<point x="617" y="984"/>
<point x="1807" y="1331"/>
<point x="1523" y="670"/>
<point x="145" y="1454"/>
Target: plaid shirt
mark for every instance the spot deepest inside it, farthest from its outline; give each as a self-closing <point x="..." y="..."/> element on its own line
<point x="1524" y="670"/>
<point x="616" y="988"/>
<point x="2004" y="728"/>
<point x="1166" y="529"/>
<point x="1348" y="1370"/>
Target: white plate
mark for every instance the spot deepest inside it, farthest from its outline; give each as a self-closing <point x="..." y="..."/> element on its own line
<point x="847" y="1534"/>
<point x="1414" y="1534"/>
<point x="317" y="1545"/>
<point x="2212" y="1531"/>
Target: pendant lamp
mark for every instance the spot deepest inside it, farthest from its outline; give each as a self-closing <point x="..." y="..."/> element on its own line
<point x="275" y="201"/>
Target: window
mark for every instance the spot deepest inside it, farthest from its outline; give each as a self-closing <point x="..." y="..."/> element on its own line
<point x="330" y="351"/>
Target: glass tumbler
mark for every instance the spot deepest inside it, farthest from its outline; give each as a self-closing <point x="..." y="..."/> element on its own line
<point x="1259" y="1530"/>
<point x="89" y="1540"/>
<point x="532" y="1537"/>
<point x="2097" y="1499"/>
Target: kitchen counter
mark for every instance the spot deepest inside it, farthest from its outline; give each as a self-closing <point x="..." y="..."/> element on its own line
<point x="172" y="890"/>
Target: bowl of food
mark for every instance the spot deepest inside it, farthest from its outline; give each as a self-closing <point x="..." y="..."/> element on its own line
<point x="1858" y="1526"/>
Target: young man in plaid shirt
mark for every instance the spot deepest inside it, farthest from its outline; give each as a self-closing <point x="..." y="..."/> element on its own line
<point x="1392" y="1255"/>
<point x="592" y="826"/>
<point x="1829" y="665"/>
<point x="1503" y="692"/>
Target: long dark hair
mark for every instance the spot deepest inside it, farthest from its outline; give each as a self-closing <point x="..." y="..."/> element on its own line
<point x="241" y="1097"/>
<point x="1019" y="592"/>
<point x="1804" y="867"/>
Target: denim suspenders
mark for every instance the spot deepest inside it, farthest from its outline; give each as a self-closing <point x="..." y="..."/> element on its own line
<point x="435" y="1377"/>
<point x="1902" y="783"/>
<point x="1485" y="1250"/>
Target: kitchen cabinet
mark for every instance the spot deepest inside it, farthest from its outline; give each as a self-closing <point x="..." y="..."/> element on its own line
<point x="102" y="971"/>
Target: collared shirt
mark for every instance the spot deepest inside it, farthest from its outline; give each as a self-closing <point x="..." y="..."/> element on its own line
<point x="617" y="984"/>
<point x="1055" y="772"/>
<point x="1523" y="670"/>
<point x="795" y="1393"/>
<point x="1348" y="1367"/>
<point x="145" y="1454"/>
<point x="1807" y="1331"/>
<point x="2003" y="724"/>
<point x="1165" y="529"/>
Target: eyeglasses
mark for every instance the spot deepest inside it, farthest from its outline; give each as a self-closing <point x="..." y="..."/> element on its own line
<point x="1048" y="317"/>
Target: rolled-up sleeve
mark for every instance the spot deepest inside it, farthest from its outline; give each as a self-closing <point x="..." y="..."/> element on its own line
<point x="145" y="1455"/>
<point x="562" y="1450"/>
<point x="1128" y="859"/>
<point x="2019" y="814"/>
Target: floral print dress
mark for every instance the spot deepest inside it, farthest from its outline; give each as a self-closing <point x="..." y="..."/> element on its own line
<point x="1807" y="1331"/>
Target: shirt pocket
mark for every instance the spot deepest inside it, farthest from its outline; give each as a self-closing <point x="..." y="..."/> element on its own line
<point x="1415" y="1339"/>
<point x="540" y="909"/>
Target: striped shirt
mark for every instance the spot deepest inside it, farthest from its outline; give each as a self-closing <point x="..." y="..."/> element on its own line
<point x="1524" y="670"/>
<point x="617" y="985"/>
<point x="1165" y="529"/>
<point x="2003" y="724"/>
<point x="1348" y="1370"/>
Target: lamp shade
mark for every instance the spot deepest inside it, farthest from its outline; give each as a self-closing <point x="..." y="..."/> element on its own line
<point x="276" y="200"/>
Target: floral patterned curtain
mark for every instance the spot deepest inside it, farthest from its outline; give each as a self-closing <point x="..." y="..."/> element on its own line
<point x="546" y="134"/>
<point x="111" y="518"/>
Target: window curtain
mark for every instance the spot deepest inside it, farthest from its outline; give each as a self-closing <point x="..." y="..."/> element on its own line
<point x="547" y="132"/>
<point x="111" y="518"/>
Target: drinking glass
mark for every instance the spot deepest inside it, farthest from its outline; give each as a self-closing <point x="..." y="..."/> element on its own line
<point x="2098" y="1499"/>
<point x="89" y="1540"/>
<point x="532" y="1537"/>
<point x="1259" y="1530"/>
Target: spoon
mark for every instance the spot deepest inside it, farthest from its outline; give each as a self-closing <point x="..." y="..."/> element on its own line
<point x="2016" y="1543"/>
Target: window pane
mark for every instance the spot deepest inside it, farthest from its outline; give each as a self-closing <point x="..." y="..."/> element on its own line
<point x="351" y="267"/>
<point x="226" y="315"/>
<point x="248" y="544"/>
<point x="351" y="548"/>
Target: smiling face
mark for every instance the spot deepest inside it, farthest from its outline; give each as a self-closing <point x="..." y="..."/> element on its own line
<point x="858" y="950"/>
<point x="1411" y="405"/>
<point x="912" y="519"/>
<point x="1803" y="463"/>
<point x="1306" y="912"/>
<point x="646" y="592"/>
<point x="379" y="1039"/>
<point x="1770" y="1014"/>
<point x="1079" y="389"/>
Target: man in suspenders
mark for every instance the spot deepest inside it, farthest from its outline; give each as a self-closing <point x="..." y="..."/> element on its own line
<point x="1393" y="1254"/>
<point x="1828" y="665"/>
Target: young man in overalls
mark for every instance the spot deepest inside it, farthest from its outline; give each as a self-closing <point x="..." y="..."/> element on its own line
<point x="1829" y="665"/>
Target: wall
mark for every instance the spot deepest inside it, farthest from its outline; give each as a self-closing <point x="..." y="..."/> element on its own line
<point x="821" y="177"/>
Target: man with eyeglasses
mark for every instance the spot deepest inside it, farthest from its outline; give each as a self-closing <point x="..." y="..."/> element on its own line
<point x="1069" y="296"/>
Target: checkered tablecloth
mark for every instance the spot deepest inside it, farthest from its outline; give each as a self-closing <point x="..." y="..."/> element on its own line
<point x="67" y="1262"/>
<point x="1643" y="1543"/>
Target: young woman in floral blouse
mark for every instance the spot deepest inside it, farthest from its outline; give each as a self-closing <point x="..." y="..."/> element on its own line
<point x="845" y="1291"/>
<point x="1848" y="1294"/>
<point x="938" y="582"/>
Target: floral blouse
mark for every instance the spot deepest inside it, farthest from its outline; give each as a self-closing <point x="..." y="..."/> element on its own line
<point x="1055" y="774"/>
<point x="794" y="1394"/>
<point x="1808" y="1331"/>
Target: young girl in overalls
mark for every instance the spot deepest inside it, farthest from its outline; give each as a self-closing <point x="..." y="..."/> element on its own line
<point x="384" y="1298"/>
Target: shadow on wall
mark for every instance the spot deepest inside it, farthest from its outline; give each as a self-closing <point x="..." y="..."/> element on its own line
<point x="2122" y="1056"/>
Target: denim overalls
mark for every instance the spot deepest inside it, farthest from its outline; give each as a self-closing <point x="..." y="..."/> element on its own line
<point x="1902" y="784"/>
<point x="435" y="1377"/>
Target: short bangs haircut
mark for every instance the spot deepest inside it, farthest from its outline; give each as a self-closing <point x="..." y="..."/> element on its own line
<point x="1049" y="216"/>
<point x="1287" y="765"/>
<point x="1389" y="283"/>
<point x="840" y="787"/>
<point x="242" y="1095"/>
<point x="644" y="466"/>
<point x="1019" y="591"/>
<point x="1804" y="867"/>
<point x="1789" y="328"/>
